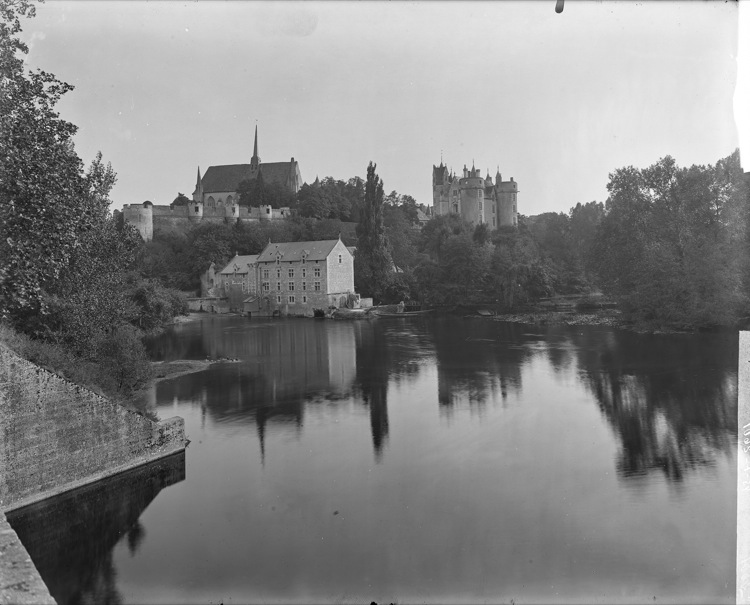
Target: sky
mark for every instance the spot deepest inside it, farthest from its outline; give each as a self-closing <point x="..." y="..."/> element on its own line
<point x="557" y="101"/>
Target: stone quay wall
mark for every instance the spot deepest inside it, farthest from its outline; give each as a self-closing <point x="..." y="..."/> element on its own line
<point x="56" y="435"/>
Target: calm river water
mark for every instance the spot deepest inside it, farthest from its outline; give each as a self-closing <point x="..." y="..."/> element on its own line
<point x="417" y="460"/>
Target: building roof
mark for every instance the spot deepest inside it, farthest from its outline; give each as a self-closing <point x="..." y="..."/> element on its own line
<point x="226" y="178"/>
<point x="229" y="176"/>
<point x="277" y="172"/>
<point x="421" y="216"/>
<point x="294" y="251"/>
<point x="240" y="264"/>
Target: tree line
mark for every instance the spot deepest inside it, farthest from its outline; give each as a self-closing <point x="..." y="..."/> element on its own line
<point x="69" y="275"/>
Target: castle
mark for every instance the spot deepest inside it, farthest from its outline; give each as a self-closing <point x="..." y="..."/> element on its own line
<point x="215" y="198"/>
<point x="477" y="200"/>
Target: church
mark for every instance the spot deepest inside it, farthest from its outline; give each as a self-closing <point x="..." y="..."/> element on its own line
<point x="218" y="186"/>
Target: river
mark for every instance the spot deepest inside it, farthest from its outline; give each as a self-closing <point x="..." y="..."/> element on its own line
<point x="417" y="460"/>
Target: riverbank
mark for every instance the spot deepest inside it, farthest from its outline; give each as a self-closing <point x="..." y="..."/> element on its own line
<point x="609" y="318"/>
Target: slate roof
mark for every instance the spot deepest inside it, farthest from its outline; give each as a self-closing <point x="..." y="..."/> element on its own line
<point x="239" y="264"/>
<point x="228" y="177"/>
<point x="293" y="251"/>
<point x="225" y="178"/>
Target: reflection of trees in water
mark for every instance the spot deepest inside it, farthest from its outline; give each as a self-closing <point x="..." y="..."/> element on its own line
<point x="671" y="400"/>
<point x="477" y="361"/>
<point x="71" y="537"/>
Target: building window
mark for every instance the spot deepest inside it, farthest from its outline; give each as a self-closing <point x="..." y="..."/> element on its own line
<point x="291" y="286"/>
<point x="268" y="211"/>
<point x="317" y="271"/>
<point x="266" y="286"/>
<point x="317" y="286"/>
<point x="455" y="208"/>
<point x="304" y="260"/>
<point x="196" y="208"/>
<point x="493" y="221"/>
<point x="291" y="299"/>
<point x="277" y="260"/>
<point x="278" y="299"/>
<point x="304" y="271"/>
<point x="265" y="273"/>
<point x="304" y="299"/>
<point x="278" y="286"/>
<point x="278" y="273"/>
<point x="304" y="285"/>
<point x="291" y="273"/>
<point x="340" y="259"/>
<point x="514" y="207"/>
<point x="493" y="208"/>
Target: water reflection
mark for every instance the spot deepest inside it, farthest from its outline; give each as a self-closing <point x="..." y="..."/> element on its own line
<point x="667" y="417"/>
<point x="71" y="537"/>
<point x="671" y="400"/>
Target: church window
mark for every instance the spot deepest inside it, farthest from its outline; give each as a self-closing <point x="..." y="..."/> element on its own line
<point x="211" y="201"/>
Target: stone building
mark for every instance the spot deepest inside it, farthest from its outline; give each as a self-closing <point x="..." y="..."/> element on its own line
<point x="218" y="187"/>
<point x="476" y="199"/>
<point x="237" y="281"/>
<point x="215" y="198"/>
<point x="295" y="278"/>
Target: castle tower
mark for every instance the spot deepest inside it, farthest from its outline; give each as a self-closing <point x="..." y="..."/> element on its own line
<point x="440" y="189"/>
<point x="255" y="160"/>
<point x="198" y="193"/>
<point x="472" y="196"/>
<point x="195" y="211"/>
<point x="507" y="192"/>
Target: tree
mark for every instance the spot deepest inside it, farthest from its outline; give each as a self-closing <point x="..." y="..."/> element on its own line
<point x="180" y="200"/>
<point x="672" y="244"/>
<point x="373" y="264"/>
<point x="42" y="192"/>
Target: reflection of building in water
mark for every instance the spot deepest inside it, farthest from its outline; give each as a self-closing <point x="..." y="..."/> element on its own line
<point x="71" y="537"/>
<point x="280" y="362"/>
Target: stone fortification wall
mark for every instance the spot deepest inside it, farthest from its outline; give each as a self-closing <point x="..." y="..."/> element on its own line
<point x="56" y="435"/>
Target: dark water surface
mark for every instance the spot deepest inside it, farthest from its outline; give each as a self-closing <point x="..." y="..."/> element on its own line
<point x="414" y="460"/>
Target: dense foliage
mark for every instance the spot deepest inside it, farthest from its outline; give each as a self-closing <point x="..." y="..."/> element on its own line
<point x="68" y="274"/>
<point x="672" y="246"/>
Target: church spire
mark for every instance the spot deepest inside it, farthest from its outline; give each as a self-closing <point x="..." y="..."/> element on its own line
<point x="255" y="161"/>
<point x="198" y="193"/>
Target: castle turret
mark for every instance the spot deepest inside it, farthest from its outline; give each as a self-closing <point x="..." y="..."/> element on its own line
<point x="195" y="211"/>
<point x="141" y="216"/>
<point x="507" y="193"/>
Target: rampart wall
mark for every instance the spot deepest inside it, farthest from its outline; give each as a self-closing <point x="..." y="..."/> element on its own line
<point x="56" y="435"/>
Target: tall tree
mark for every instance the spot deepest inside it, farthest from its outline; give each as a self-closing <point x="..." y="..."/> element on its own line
<point x="373" y="263"/>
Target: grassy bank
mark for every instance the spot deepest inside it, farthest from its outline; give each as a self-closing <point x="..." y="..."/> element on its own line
<point x="94" y="376"/>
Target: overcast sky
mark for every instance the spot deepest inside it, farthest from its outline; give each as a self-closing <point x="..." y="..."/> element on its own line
<point x="557" y="101"/>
